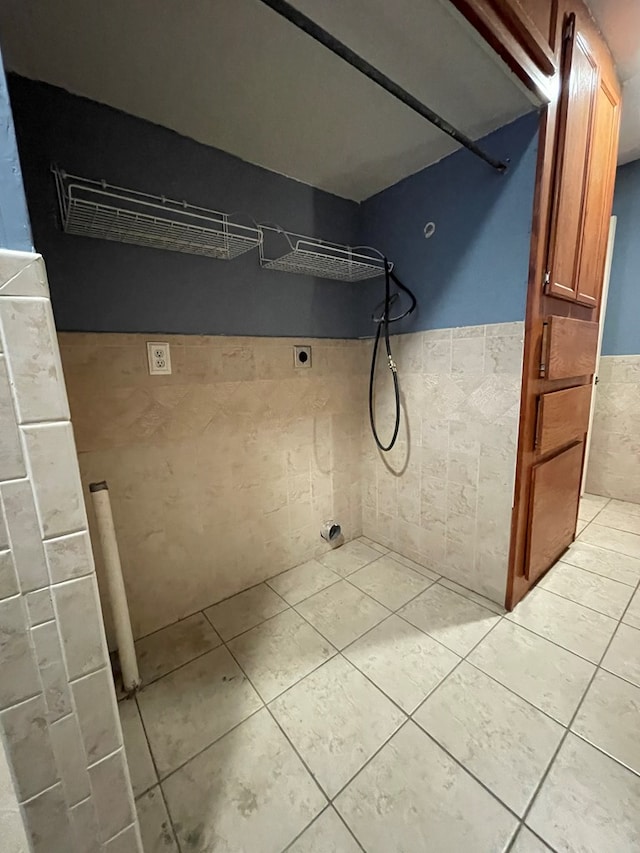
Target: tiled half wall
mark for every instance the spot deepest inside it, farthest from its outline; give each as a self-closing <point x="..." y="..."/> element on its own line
<point x="443" y="495"/>
<point x="614" y="459"/>
<point x="58" y="717"/>
<point x="221" y="473"/>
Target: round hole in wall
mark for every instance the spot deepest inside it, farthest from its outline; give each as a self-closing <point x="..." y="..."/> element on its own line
<point x="429" y="230"/>
<point x="303" y="357"/>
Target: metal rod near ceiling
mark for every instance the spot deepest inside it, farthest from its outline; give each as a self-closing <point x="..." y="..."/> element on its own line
<point x="333" y="44"/>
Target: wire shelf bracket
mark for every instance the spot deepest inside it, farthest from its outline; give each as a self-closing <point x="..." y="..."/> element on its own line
<point x="311" y="256"/>
<point x="90" y="208"/>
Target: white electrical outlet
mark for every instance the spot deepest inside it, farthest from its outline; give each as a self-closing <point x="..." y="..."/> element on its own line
<point x="159" y="357"/>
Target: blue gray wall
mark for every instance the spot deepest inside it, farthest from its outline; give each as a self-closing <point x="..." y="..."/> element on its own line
<point x="105" y="286"/>
<point x="622" y="322"/>
<point x="474" y="269"/>
<point x="15" y="232"/>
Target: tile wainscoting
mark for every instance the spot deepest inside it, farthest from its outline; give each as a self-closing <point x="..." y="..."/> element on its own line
<point x="614" y="460"/>
<point x="58" y="715"/>
<point x="221" y="473"/>
<point x="443" y="496"/>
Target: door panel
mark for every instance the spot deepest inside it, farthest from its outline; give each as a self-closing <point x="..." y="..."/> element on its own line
<point x="580" y="83"/>
<point x="570" y="348"/>
<point x="563" y="417"/>
<point x="599" y="196"/>
<point x="555" y="492"/>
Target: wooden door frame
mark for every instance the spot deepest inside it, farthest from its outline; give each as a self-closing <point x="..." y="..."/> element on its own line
<point x="613" y="223"/>
<point x="489" y="21"/>
<point x="511" y="33"/>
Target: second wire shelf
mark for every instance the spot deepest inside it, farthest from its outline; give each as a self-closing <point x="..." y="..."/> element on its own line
<point x="310" y="256"/>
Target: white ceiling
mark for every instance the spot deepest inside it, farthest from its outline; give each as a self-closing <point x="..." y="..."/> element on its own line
<point x="235" y="75"/>
<point x="619" y="21"/>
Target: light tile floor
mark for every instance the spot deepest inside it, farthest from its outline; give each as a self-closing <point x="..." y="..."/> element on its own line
<point x="361" y="702"/>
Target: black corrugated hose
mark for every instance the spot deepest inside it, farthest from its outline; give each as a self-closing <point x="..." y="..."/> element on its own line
<point x="383" y="322"/>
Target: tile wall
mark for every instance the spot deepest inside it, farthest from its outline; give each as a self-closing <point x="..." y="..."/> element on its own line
<point x="614" y="460"/>
<point x="443" y="496"/>
<point x="221" y="473"/>
<point x="14" y="836"/>
<point x="58" y="717"/>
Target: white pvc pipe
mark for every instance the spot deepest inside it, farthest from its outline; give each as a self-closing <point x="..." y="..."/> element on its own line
<point x="117" y="593"/>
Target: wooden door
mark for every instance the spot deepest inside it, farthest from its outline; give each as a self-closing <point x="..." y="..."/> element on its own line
<point x="555" y="493"/>
<point x="574" y="192"/>
<point x="556" y="50"/>
<point x="599" y="195"/>
<point x="579" y="87"/>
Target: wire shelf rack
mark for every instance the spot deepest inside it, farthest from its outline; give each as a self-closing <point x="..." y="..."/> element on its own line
<point x="310" y="256"/>
<point x="91" y="208"/>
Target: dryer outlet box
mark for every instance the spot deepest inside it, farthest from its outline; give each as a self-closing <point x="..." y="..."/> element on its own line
<point x="302" y="356"/>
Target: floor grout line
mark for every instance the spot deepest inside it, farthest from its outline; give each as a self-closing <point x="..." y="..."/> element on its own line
<point x="335" y="653"/>
<point x="397" y="613"/>
<point x="567" y="562"/>
<point x="464" y="659"/>
<point x="604" y="751"/>
<point x="329" y="807"/>
<point x="522" y="825"/>
<point x="572" y="720"/>
<point x="311" y="594"/>
<point x="604" y="547"/>
<point x="408" y="716"/>
<point x="581" y="604"/>
<point x="440" y="683"/>
<point x="567" y="728"/>
<point x="559" y="645"/>
<point x="346" y="825"/>
<point x="232" y="595"/>
<point x="182" y="765"/>
<point x="262" y="621"/>
<point x="397" y="731"/>
<point x="179" y="666"/>
<point x="409" y="719"/>
<point x="158" y="784"/>
<point x="618" y="529"/>
<point x="200" y="610"/>
<point x="292" y="745"/>
<point x="298" y="681"/>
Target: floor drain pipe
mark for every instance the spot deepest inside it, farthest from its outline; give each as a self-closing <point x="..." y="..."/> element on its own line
<point x="115" y="583"/>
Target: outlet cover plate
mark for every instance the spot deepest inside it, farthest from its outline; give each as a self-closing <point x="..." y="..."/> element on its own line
<point x="159" y="357"/>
